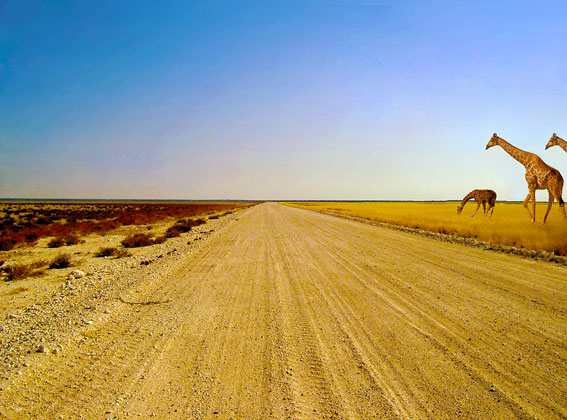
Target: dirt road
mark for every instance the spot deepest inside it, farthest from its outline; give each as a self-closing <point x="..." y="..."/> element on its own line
<point x="292" y="314"/>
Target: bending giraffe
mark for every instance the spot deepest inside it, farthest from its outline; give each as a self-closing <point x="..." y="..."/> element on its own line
<point x="555" y="140"/>
<point x="539" y="176"/>
<point x="483" y="197"/>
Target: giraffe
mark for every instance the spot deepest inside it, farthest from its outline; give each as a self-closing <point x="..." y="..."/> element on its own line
<point x="555" y="140"/>
<point x="539" y="176"/>
<point x="481" y="197"/>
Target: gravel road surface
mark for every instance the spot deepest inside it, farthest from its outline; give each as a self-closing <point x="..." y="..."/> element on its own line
<point x="291" y="314"/>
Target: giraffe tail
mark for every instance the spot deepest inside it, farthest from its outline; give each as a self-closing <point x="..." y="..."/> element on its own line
<point x="561" y="202"/>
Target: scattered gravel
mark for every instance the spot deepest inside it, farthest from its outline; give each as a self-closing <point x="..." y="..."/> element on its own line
<point x="62" y="319"/>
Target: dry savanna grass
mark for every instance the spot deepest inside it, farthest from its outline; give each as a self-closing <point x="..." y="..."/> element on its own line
<point x="510" y="224"/>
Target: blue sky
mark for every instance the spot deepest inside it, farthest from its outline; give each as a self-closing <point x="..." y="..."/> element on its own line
<point x="336" y="99"/>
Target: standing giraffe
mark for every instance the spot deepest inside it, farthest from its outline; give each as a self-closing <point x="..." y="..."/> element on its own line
<point x="481" y="197"/>
<point x="555" y="140"/>
<point x="539" y="176"/>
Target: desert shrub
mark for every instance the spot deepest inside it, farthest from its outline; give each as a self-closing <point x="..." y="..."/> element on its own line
<point x="110" y="251"/>
<point x="61" y="261"/>
<point x="196" y="222"/>
<point x="121" y="253"/>
<point x="68" y="239"/>
<point x="172" y="232"/>
<point x="7" y="243"/>
<point x="186" y="225"/>
<point x="138" y="240"/>
<point x="106" y="251"/>
<point x="71" y="239"/>
<point x="17" y="271"/>
<point x="182" y="226"/>
<point x="42" y="220"/>
<point x="56" y="242"/>
<point x="31" y="236"/>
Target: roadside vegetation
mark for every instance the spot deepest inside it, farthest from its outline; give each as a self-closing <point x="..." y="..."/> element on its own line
<point x="80" y="229"/>
<point x="62" y="260"/>
<point x="138" y="240"/>
<point x="182" y="226"/>
<point x="508" y="226"/>
<point x="21" y="271"/>
<point x="24" y="223"/>
<point x="111" y="251"/>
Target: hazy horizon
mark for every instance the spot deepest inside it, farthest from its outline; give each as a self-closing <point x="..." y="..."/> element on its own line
<point x="311" y="100"/>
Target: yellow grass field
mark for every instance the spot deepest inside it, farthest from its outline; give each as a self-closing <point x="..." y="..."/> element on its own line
<point x="510" y="224"/>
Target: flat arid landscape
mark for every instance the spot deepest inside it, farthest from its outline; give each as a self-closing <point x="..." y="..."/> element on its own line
<point x="283" y="210"/>
<point x="285" y="313"/>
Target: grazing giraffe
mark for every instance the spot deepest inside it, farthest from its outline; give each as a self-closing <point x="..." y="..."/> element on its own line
<point x="539" y="176"/>
<point x="483" y="197"/>
<point x="555" y="140"/>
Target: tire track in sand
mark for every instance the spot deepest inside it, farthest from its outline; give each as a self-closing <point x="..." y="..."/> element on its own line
<point x="289" y="314"/>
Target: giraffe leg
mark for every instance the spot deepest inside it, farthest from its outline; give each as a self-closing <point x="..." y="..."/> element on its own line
<point x="561" y="204"/>
<point x="556" y="190"/>
<point x="492" y="211"/>
<point x="533" y="205"/>
<point x="548" y="206"/>
<point x="477" y="207"/>
<point x="484" y="208"/>
<point x="526" y="201"/>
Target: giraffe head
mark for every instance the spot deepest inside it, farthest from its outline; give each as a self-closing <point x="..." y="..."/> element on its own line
<point x="552" y="141"/>
<point x="493" y="141"/>
<point x="459" y="209"/>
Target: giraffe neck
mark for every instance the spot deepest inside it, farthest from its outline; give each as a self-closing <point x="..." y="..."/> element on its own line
<point x="562" y="143"/>
<point x="467" y="198"/>
<point x="520" y="155"/>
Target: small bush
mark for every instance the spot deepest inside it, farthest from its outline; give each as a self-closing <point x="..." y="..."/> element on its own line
<point x="182" y="226"/>
<point x="17" y="271"/>
<point x="121" y="253"/>
<point x="56" y="242"/>
<point x="138" y="240"/>
<point x="72" y="239"/>
<point x="31" y="237"/>
<point x="111" y="252"/>
<point x="172" y="232"/>
<point x="7" y="243"/>
<point x="61" y="261"/>
<point x="106" y="251"/>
